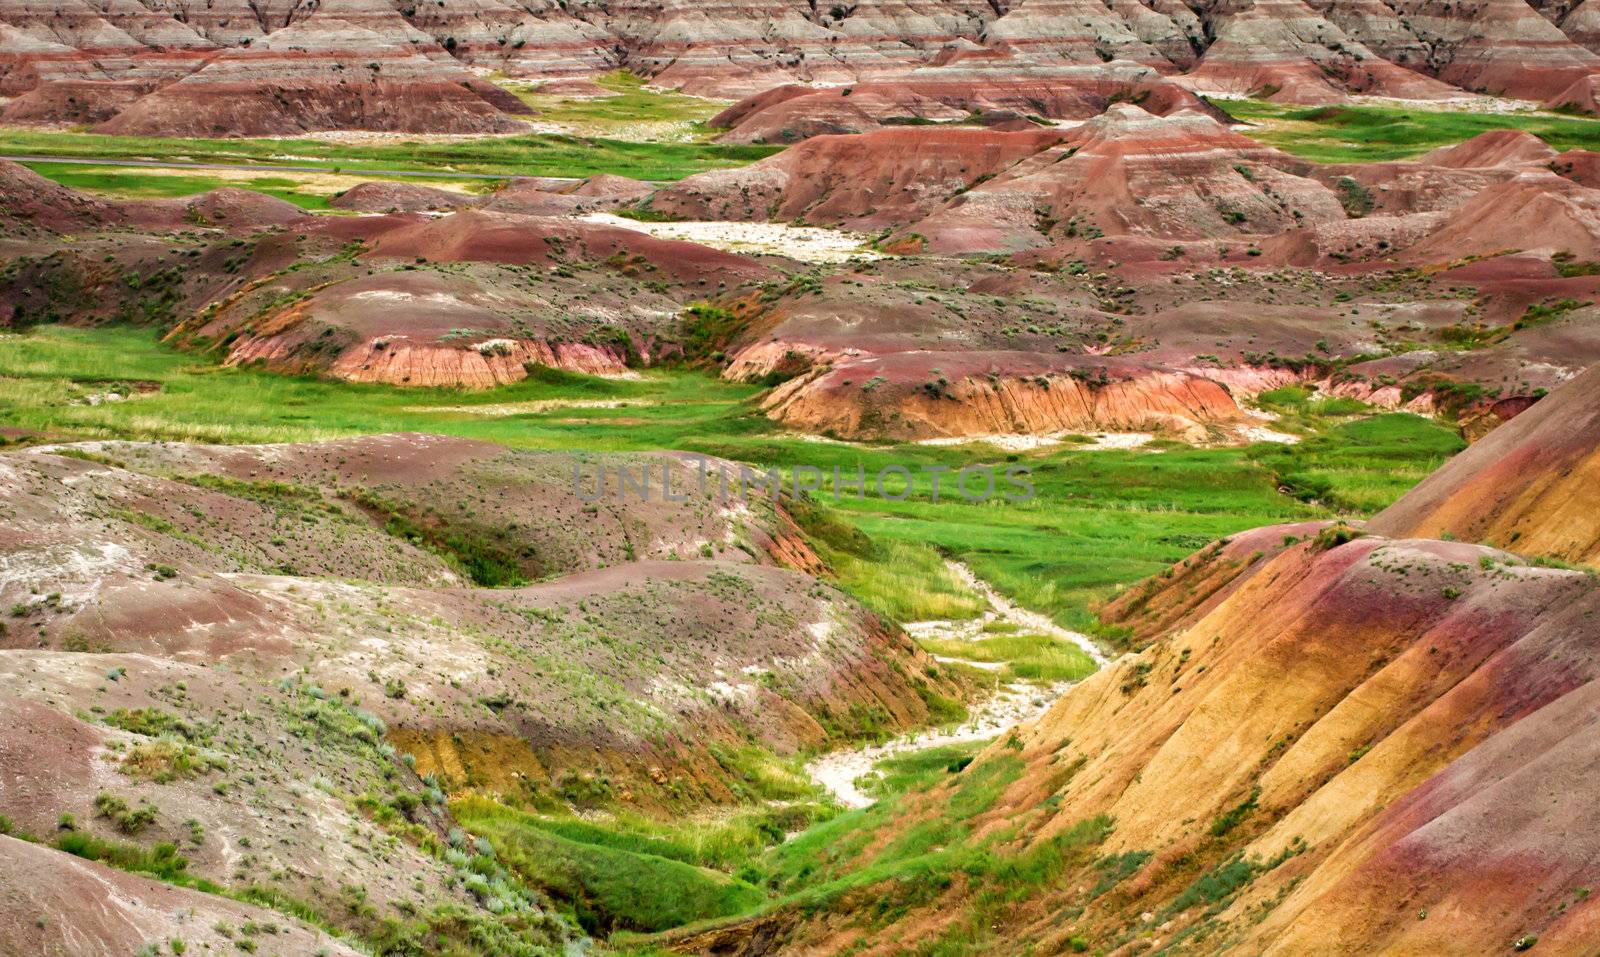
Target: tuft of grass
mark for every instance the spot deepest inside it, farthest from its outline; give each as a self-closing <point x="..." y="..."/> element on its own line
<point x="919" y="770"/>
<point x="1028" y="657"/>
<point x="907" y="582"/>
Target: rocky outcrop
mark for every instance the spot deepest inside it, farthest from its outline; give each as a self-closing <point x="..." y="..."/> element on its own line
<point x="320" y="74"/>
<point x="959" y="89"/>
<point x="867" y="181"/>
<point x="397" y="360"/>
<point x="1495" y="46"/>
<point x="391" y="197"/>
<point x="929" y="395"/>
<point x="1492" y="150"/>
<point x="1536" y="211"/>
<point x="1185" y="177"/>
<point x="1285" y="50"/>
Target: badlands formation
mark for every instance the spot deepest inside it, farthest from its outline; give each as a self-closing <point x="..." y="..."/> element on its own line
<point x="381" y="691"/>
<point x="221" y="648"/>
<point x="236" y="68"/>
<point x="1133" y="272"/>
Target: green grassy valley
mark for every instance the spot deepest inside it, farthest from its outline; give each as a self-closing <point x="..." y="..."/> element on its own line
<point x="534" y="154"/>
<point x="423" y="696"/>
<point x="1126" y="514"/>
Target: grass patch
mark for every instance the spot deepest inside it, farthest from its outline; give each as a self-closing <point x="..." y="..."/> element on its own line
<point x="1368" y="134"/>
<point x="131" y="183"/>
<point x="1029" y="657"/>
<point x="609" y="888"/>
<point x="627" y="111"/>
<point x="908" y="582"/>
<point x="161" y="861"/>
<point x="919" y="770"/>
<point x="1361" y="466"/>
<point x="530" y="155"/>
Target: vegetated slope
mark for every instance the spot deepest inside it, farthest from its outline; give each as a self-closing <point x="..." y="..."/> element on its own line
<point x="1335" y="742"/>
<point x="217" y="655"/>
<point x="235" y="68"/>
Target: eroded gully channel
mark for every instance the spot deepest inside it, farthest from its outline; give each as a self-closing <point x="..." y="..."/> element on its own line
<point x="1010" y="705"/>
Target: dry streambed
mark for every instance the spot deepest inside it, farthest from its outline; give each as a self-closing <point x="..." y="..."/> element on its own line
<point x="813" y="244"/>
<point x="1012" y="703"/>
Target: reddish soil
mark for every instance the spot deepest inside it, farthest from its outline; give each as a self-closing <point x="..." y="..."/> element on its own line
<point x="954" y="92"/>
<point x="865" y="181"/>
<point x="391" y="197"/>
<point x="53" y="903"/>
<point x="1524" y="486"/>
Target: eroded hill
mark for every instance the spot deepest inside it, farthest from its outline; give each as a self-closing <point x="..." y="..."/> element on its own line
<point x="259" y="671"/>
<point x="238" y="69"/>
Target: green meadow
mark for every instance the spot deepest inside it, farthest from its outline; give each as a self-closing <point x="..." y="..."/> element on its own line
<point x="1369" y="134"/>
<point x="134" y="183"/>
<point x="632" y="107"/>
<point x="1098" y="521"/>
<point x="537" y="154"/>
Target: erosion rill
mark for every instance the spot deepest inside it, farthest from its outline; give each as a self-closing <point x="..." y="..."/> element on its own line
<point x="1075" y="477"/>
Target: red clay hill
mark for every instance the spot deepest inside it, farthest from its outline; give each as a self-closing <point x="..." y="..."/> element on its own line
<point x="1155" y="271"/>
<point x="470" y="298"/>
<point x="236" y="68"/>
